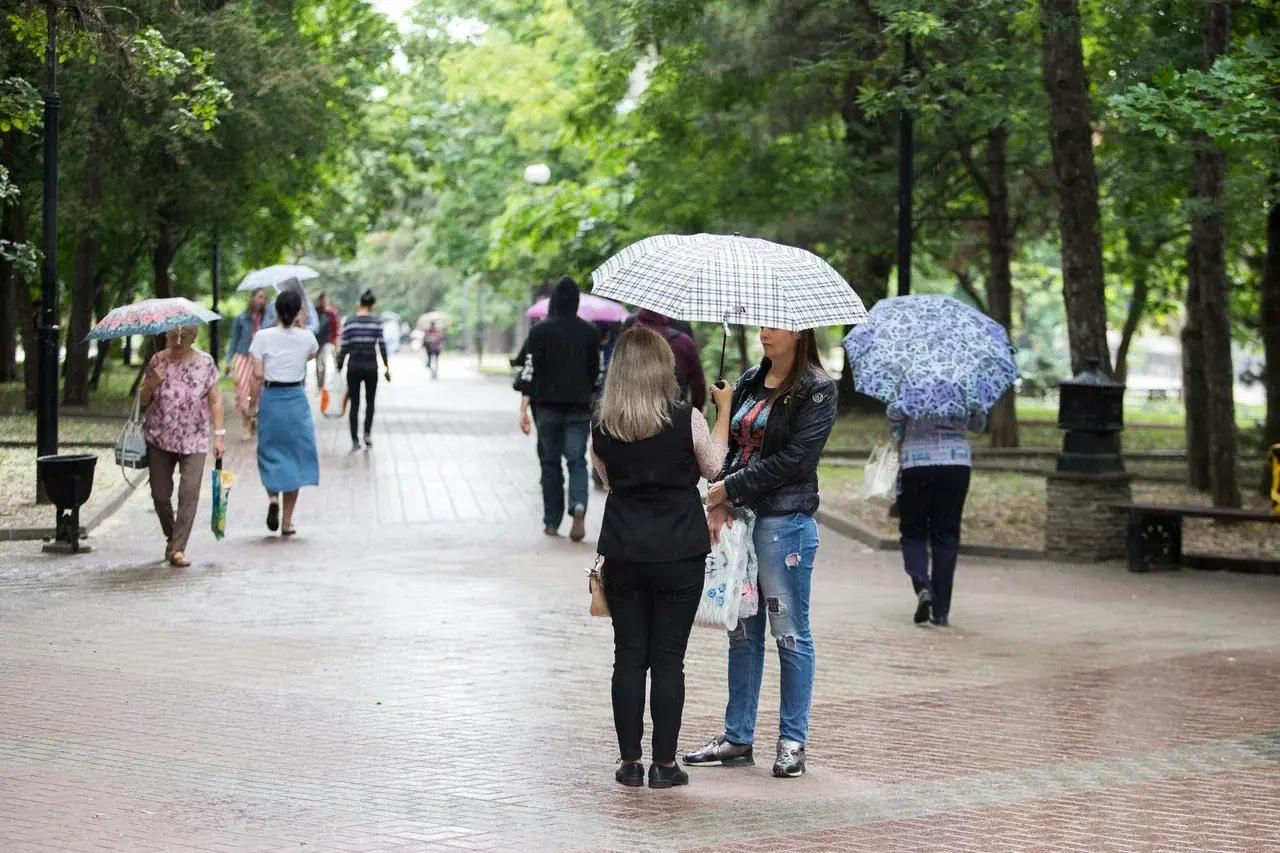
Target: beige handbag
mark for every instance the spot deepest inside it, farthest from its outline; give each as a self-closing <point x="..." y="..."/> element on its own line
<point x="595" y="585"/>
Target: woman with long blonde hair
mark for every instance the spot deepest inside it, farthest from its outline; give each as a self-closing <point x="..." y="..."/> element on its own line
<point x="651" y="451"/>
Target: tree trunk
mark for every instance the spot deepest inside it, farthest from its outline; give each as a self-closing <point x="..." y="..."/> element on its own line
<point x="9" y="310"/>
<point x="873" y="277"/>
<point x="1141" y="256"/>
<point x="1004" y="417"/>
<point x="1071" y="138"/>
<point x="740" y="338"/>
<point x="872" y="143"/>
<point x="99" y="310"/>
<point x="28" y="316"/>
<point x="1271" y="321"/>
<point x="76" y="387"/>
<point x="1137" y="307"/>
<point x="1209" y="235"/>
<point x="1194" y="390"/>
<point x="12" y="298"/>
<point x="162" y="260"/>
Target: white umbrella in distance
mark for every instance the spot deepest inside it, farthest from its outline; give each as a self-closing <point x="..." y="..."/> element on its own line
<point x="275" y="276"/>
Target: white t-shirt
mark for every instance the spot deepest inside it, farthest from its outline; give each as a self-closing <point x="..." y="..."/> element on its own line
<point x="284" y="352"/>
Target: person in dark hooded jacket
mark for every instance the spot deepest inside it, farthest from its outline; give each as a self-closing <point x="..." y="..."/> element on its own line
<point x="564" y="362"/>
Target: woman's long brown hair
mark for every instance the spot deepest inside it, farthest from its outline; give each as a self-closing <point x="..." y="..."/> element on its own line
<point x="807" y="359"/>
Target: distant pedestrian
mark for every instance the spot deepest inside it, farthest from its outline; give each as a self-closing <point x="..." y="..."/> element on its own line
<point x="783" y="412"/>
<point x="327" y="335"/>
<point x="936" y="467"/>
<point x="180" y="391"/>
<point x="433" y="342"/>
<point x="564" y="360"/>
<point x="689" y="373"/>
<point x="286" y="430"/>
<point x="362" y="341"/>
<point x="239" y="364"/>
<point x="651" y="450"/>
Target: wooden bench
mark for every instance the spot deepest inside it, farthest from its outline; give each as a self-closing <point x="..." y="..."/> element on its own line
<point x="1155" y="538"/>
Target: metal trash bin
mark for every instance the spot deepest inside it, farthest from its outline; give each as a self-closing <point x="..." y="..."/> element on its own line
<point x="68" y="482"/>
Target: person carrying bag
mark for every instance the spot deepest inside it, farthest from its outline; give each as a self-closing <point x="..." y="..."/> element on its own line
<point x="651" y="452"/>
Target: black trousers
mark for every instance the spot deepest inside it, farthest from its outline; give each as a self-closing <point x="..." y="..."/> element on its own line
<point x="931" y="507"/>
<point x="368" y="377"/>
<point x="653" y="605"/>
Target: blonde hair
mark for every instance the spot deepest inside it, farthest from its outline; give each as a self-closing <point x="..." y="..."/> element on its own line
<point x="640" y="386"/>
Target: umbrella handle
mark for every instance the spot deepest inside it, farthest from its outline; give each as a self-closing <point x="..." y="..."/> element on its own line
<point x="217" y="464"/>
<point x="724" y="343"/>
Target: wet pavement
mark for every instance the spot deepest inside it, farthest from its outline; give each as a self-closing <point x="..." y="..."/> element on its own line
<point x="417" y="670"/>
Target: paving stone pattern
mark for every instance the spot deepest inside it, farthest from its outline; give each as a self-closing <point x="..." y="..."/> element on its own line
<point x="417" y="671"/>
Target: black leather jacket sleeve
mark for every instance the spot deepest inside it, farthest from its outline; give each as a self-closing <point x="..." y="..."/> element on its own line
<point x="796" y="459"/>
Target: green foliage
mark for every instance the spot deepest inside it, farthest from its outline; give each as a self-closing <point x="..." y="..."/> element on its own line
<point x="19" y="106"/>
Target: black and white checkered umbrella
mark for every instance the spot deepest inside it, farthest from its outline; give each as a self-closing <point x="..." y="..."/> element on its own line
<point x="718" y="278"/>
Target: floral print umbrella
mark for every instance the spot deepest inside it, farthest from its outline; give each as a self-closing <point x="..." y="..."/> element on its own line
<point x="150" y="317"/>
<point x="931" y="356"/>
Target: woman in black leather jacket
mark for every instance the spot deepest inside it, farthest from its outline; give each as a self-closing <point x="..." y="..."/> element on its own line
<point x="783" y="411"/>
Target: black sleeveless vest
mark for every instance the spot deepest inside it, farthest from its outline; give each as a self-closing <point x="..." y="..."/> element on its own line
<point x="654" y="512"/>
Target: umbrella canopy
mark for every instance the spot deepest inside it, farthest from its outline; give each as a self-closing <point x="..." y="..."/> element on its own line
<point x="310" y="313"/>
<point x="276" y="276"/>
<point x="719" y="278"/>
<point x="590" y="308"/>
<point x="440" y="318"/>
<point x="931" y="356"/>
<point x="150" y="317"/>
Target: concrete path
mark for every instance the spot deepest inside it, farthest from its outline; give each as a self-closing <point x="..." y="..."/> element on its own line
<point x="417" y="670"/>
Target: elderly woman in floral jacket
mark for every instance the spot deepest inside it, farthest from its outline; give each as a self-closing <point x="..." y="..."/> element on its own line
<point x="184" y="405"/>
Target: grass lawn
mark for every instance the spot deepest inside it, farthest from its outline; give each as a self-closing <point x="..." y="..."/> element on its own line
<point x="1009" y="509"/>
<point x="18" y="485"/>
<point x="99" y="422"/>
<point x="863" y="432"/>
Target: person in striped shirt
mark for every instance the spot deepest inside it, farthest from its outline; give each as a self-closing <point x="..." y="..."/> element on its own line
<point x="361" y="343"/>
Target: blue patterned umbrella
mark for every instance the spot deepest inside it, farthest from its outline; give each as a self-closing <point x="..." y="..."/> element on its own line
<point x="931" y="356"/>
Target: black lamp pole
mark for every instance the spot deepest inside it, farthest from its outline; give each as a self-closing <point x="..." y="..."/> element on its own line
<point x="906" y="181"/>
<point x="47" y="374"/>
<point x="214" y="342"/>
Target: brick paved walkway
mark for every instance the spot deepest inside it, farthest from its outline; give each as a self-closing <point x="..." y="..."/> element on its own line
<point x="417" y="671"/>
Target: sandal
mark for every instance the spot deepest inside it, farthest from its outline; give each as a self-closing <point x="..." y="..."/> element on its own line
<point x="178" y="560"/>
<point x="288" y="531"/>
<point x="273" y="516"/>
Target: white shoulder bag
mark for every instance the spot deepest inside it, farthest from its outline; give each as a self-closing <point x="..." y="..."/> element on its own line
<point x="131" y="447"/>
<point x="880" y="478"/>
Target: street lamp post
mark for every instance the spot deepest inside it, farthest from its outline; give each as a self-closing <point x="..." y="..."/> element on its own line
<point x="906" y="180"/>
<point x="47" y="368"/>
<point x="214" y="327"/>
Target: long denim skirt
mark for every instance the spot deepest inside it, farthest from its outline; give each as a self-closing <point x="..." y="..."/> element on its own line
<point x="286" y="440"/>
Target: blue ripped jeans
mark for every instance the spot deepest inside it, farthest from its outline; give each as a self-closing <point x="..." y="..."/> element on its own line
<point x="786" y="546"/>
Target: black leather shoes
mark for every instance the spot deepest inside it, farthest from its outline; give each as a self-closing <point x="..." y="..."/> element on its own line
<point x="924" y="602"/>
<point x="667" y="777"/>
<point x="631" y="774"/>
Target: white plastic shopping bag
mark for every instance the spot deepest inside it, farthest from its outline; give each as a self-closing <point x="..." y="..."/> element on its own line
<point x="728" y="573"/>
<point x="333" y="396"/>
<point x="880" y="478"/>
